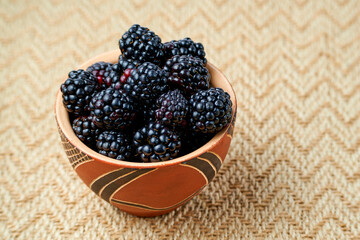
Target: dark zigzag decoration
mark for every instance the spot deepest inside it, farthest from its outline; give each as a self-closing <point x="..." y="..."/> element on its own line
<point x="75" y="156"/>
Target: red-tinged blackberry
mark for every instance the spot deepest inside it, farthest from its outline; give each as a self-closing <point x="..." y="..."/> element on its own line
<point x="187" y="73"/>
<point x="77" y="91"/>
<point x="146" y="83"/>
<point x="112" y="76"/>
<point x="112" y="109"/>
<point x="185" y="46"/>
<point x="128" y="63"/>
<point x="85" y="129"/>
<point x="114" y="144"/>
<point x="139" y="43"/>
<point x="123" y="67"/>
<point x="101" y="70"/>
<point x="155" y="143"/>
<point x="210" y="110"/>
<point x="119" y="81"/>
<point x="172" y="108"/>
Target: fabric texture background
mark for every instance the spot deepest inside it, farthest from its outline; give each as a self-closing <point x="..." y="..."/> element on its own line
<point x="293" y="168"/>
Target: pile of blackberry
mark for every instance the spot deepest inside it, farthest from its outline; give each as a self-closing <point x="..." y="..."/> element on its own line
<point x="154" y="104"/>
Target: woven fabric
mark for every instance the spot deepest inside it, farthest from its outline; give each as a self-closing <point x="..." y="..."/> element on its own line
<point x="293" y="168"/>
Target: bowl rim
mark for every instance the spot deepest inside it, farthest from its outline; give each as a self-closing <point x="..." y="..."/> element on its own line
<point x="63" y="121"/>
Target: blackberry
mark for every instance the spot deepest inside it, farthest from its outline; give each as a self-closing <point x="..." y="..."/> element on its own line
<point x="187" y="73"/>
<point x="123" y="69"/>
<point x="112" y="76"/>
<point x="155" y="143"/>
<point x="119" y="81"/>
<point x="112" y="109"/>
<point x="172" y="108"/>
<point x="101" y="70"/>
<point x="185" y="46"/>
<point x="85" y="129"/>
<point x="115" y="145"/>
<point x="210" y="110"/>
<point x="146" y="83"/>
<point x="127" y="63"/>
<point x="139" y="43"/>
<point x="77" y="91"/>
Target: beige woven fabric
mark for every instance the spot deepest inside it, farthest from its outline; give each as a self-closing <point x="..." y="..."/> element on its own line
<point x="293" y="169"/>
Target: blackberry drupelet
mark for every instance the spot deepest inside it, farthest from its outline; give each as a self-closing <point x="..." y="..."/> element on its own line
<point x="172" y="108"/>
<point x="155" y="143"/>
<point x="146" y="83"/>
<point x="139" y="43"/>
<point x="101" y="71"/>
<point x="85" y="129"/>
<point x="187" y="73"/>
<point x="185" y="46"/>
<point x="115" y="145"/>
<point x="112" y="109"/>
<point x="77" y="91"/>
<point x="210" y="110"/>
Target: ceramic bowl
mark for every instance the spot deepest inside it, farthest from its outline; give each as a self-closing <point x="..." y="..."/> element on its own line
<point x="146" y="189"/>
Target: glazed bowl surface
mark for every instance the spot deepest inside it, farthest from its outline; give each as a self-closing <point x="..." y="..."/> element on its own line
<point x="146" y="189"/>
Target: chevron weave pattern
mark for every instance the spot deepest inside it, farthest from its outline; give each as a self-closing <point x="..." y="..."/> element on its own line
<point x="293" y="169"/>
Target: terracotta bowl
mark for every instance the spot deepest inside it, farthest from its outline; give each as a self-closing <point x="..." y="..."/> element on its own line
<point x="146" y="189"/>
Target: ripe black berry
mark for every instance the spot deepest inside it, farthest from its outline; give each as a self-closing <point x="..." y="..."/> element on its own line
<point x="77" y="91"/>
<point x="210" y="110"/>
<point x="85" y="129"/>
<point x="112" y="109"/>
<point x="187" y="73"/>
<point x="139" y="43"/>
<point x="185" y="46"/>
<point x="146" y="83"/>
<point x="115" y="145"/>
<point x="172" y="108"/>
<point x="156" y="143"/>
